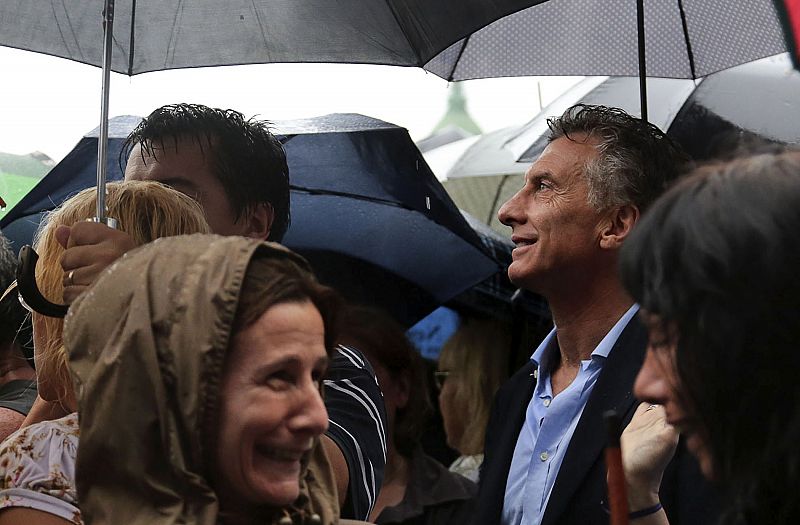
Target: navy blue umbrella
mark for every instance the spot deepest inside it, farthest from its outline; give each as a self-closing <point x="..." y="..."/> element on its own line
<point x="366" y="211"/>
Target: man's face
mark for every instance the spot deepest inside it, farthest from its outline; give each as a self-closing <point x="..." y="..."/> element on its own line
<point x="554" y="227"/>
<point x="188" y="170"/>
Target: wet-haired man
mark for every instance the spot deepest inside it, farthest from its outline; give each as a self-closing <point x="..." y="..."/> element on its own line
<point x="580" y="200"/>
<point x="237" y="170"/>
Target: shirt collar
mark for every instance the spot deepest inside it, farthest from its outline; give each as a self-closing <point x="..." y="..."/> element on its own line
<point x="541" y="354"/>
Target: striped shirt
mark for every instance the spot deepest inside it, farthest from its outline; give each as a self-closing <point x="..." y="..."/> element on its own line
<point x="357" y="420"/>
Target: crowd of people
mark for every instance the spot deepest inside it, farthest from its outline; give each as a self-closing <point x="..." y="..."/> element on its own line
<point x="204" y="375"/>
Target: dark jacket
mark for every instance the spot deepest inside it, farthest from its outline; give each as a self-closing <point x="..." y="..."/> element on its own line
<point x="580" y="487"/>
<point x="434" y="496"/>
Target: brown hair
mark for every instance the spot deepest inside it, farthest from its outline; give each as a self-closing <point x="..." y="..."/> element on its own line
<point x="271" y="280"/>
<point x="145" y="211"/>
<point x="476" y="356"/>
<point x="384" y="342"/>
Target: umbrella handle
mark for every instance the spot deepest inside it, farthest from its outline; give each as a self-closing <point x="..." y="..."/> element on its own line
<point x="26" y="279"/>
<point x="29" y="290"/>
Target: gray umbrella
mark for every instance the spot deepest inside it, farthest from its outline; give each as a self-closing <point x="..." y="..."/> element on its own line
<point x="758" y="100"/>
<point x="684" y="39"/>
<point x="665" y="38"/>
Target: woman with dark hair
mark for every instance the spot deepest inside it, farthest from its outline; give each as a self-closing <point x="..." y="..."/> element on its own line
<point x="714" y="266"/>
<point x="417" y="489"/>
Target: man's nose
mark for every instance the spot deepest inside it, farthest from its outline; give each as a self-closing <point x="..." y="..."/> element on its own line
<point x="510" y="212"/>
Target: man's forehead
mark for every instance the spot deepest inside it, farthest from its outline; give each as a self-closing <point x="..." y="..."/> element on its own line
<point x="171" y="145"/>
<point x="564" y="156"/>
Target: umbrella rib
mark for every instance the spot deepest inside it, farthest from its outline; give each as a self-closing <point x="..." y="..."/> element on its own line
<point x="131" y="41"/>
<point x="458" y="58"/>
<point x="315" y="191"/>
<point x="405" y="33"/>
<point x="689" y="52"/>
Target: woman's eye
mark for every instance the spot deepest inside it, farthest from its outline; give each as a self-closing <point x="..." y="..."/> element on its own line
<point x="317" y="376"/>
<point x="278" y="379"/>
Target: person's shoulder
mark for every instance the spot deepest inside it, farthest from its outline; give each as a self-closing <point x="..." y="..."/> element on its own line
<point x="347" y="360"/>
<point x="37" y="468"/>
<point x="39" y="450"/>
<point x="446" y="484"/>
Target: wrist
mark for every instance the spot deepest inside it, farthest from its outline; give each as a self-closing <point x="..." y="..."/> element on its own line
<point x="646" y="512"/>
<point x="639" y="500"/>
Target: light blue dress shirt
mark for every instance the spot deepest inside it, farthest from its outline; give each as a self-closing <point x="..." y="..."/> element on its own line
<point x="549" y="425"/>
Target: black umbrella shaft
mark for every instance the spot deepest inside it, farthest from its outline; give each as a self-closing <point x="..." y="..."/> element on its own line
<point x="642" y="62"/>
<point x="102" y="144"/>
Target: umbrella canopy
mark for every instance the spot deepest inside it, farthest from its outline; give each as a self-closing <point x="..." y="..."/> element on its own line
<point x="153" y="35"/>
<point x="684" y="39"/>
<point x="366" y="211"/>
<point x="758" y="99"/>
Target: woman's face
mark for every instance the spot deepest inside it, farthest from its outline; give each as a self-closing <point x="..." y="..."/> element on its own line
<point x="270" y="408"/>
<point x="658" y="383"/>
<point x="454" y="415"/>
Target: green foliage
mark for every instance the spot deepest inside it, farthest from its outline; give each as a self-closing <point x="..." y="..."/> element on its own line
<point x="13" y="188"/>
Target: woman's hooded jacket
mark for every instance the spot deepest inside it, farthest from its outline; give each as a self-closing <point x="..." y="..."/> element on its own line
<point x="146" y="347"/>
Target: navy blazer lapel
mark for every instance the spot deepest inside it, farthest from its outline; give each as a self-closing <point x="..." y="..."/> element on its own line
<point x="613" y="391"/>
<point x="501" y="440"/>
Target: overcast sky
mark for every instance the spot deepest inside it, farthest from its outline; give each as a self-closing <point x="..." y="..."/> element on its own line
<point x="49" y="103"/>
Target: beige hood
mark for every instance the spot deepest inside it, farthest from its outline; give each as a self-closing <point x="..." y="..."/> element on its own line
<point x="146" y="347"/>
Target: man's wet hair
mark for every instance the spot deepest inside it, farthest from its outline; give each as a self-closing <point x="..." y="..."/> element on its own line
<point x="246" y="157"/>
<point x="636" y="160"/>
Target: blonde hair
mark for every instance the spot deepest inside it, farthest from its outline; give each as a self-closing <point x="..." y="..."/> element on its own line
<point x="477" y="357"/>
<point x="145" y="211"/>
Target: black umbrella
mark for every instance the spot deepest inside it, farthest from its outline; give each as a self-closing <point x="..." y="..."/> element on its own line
<point x="684" y="39"/>
<point x="366" y="211"/>
<point x="153" y="35"/>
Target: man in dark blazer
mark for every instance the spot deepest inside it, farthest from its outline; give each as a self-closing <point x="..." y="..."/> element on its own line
<point x="543" y="459"/>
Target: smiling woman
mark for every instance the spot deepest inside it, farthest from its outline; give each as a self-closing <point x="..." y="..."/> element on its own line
<point x="714" y="264"/>
<point x="207" y="392"/>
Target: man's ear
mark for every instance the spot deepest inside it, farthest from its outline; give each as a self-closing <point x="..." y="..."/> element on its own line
<point x="259" y="221"/>
<point x="619" y="225"/>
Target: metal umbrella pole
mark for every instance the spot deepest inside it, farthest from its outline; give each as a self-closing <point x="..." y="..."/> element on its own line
<point x="102" y="143"/>
<point x="26" y="271"/>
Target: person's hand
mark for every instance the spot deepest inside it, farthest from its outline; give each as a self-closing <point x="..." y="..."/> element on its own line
<point x="90" y="248"/>
<point x="648" y="443"/>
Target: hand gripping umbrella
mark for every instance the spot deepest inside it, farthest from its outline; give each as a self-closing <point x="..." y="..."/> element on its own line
<point x="26" y="271"/>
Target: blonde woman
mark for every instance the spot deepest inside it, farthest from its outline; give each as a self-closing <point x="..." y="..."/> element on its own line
<point x="37" y="463"/>
<point x="472" y="366"/>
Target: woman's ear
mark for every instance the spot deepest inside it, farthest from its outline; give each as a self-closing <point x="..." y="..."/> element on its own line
<point x="618" y="226"/>
<point x="259" y="221"/>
